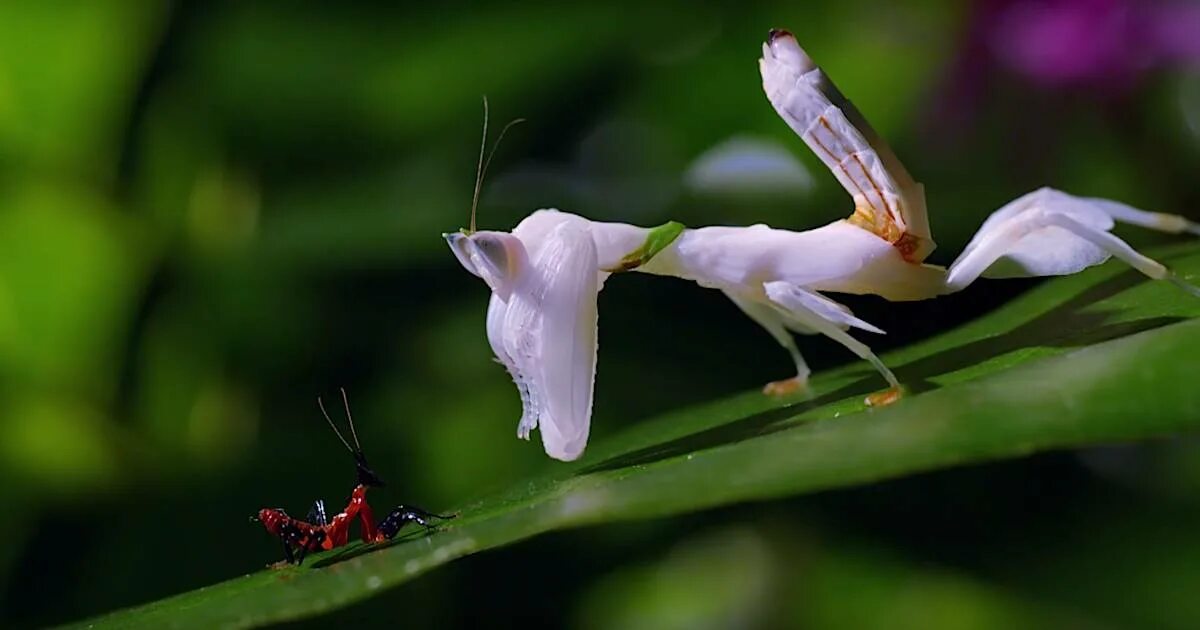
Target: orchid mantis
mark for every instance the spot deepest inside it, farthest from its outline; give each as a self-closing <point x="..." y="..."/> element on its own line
<point x="545" y="275"/>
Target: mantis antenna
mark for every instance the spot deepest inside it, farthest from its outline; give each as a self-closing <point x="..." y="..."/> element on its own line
<point x="482" y="166"/>
<point x="366" y="476"/>
<point x="346" y="405"/>
<point x="321" y="404"/>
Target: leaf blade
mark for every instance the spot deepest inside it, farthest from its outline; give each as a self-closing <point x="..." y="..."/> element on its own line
<point x="1095" y="358"/>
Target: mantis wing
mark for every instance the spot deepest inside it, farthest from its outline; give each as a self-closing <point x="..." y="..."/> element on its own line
<point x="887" y="201"/>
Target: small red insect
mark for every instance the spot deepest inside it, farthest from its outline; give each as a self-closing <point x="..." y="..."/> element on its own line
<point x="319" y="533"/>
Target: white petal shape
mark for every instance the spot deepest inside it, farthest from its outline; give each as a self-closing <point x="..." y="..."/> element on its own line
<point x="541" y="320"/>
<point x="834" y="312"/>
<point x="1044" y="233"/>
<point x="813" y="311"/>
<point x="496" y="316"/>
<point x="545" y="334"/>
<point x="569" y="325"/>
<point x="1049" y="232"/>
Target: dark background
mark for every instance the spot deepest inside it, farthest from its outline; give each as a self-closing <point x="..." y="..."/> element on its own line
<point x="212" y="212"/>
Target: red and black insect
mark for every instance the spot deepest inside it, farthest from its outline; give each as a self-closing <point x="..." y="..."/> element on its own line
<point x="319" y="533"/>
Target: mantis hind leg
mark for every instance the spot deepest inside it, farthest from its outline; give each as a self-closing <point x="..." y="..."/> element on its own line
<point x="1122" y="251"/>
<point x="1171" y="223"/>
<point x="775" y="324"/>
<point x="1050" y="233"/>
<point x="405" y="514"/>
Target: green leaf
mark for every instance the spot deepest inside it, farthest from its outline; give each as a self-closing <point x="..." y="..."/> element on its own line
<point x="1099" y="357"/>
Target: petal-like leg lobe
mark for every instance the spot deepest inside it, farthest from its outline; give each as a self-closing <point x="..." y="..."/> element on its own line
<point x="1049" y="233"/>
<point x="818" y="313"/>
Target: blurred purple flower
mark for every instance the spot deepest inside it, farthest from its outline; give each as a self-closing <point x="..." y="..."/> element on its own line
<point x="1100" y="46"/>
<point x="1096" y="43"/>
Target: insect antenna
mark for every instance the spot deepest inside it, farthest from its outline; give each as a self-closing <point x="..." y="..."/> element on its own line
<point x="333" y="426"/>
<point x="482" y="166"/>
<point x="350" y="418"/>
<point x="366" y="476"/>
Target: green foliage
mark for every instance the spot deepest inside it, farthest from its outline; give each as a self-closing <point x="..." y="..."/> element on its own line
<point x="1101" y="357"/>
<point x="212" y="212"/>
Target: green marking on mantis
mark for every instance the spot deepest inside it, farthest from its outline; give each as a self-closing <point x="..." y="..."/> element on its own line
<point x="657" y="240"/>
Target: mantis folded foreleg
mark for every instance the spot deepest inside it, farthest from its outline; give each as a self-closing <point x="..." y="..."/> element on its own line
<point x="541" y="322"/>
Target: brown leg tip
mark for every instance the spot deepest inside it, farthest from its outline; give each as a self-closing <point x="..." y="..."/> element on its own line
<point x="786" y="387"/>
<point x="883" y="398"/>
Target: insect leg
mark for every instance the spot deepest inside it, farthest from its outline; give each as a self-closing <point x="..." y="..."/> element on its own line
<point x="1121" y="250"/>
<point x="998" y="234"/>
<point x="316" y="515"/>
<point x="813" y="311"/>
<point x="1171" y="223"/>
<point x="404" y="514"/>
<point x="287" y="550"/>
<point x="773" y="322"/>
<point x="366" y="522"/>
<point x="1049" y="233"/>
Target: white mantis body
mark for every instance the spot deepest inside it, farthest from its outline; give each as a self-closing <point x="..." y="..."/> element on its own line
<point x="545" y="275"/>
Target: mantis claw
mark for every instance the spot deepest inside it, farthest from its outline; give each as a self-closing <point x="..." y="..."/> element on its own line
<point x="786" y="387"/>
<point x="884" y="398"/>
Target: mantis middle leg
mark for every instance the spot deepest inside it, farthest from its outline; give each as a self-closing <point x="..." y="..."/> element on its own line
<point x="775" y="324"/>
<point x="812" y="311"/>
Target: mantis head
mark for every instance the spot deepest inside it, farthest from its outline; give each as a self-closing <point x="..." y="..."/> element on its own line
<point x="497" y="257"/>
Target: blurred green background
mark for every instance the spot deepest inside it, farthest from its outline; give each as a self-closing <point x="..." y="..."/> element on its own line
<point x="212" y="212"/>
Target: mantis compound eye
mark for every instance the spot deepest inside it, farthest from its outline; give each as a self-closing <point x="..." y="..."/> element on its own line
<point x="497" y="257"/>
<point x="458" y="244"/>
<point x="500" y="259"/>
